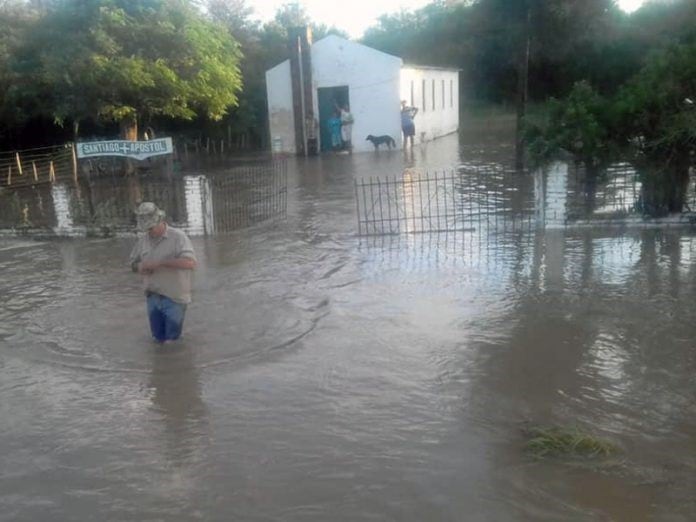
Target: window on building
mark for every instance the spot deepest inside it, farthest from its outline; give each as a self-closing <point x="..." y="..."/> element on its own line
<point x="412" y="93"/>
<point x="451" y="90"/>
<point x="443" y="94"/>
<point x="423" y="95"/>
<point x="433" y="94"/>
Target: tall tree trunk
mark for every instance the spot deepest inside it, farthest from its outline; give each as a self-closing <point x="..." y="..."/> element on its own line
<point x="129" y="128"/>
<point x="592" y="173"/>
<point x="679" y="166"/>
<point x="135" y="193"/>
<point x="76" y="129"/>
<point x="522" y="92"/>
<point x="664" y="185"/>
<point x="129" y="131"/>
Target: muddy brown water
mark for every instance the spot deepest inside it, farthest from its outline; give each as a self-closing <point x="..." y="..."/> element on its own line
<point x="325" y="376"/>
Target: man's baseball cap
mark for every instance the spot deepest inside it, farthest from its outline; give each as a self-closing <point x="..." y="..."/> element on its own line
<point x="148" y="216"/>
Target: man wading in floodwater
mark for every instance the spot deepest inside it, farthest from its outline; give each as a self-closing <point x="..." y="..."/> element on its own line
<point x="165" y="258"/>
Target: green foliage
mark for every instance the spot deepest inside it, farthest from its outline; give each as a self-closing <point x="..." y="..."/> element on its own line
<point x="657" y="108"/>
<point x="566" y="442"/>
<point x="652" y="118"/>
<point x="263" y="46"/>
<point x="485" y="39"/>
<point x="118" y="60"/>
<point x="661" y="22"/>
<point x="576" y="125"/>
<point x="15" y="21"/>
<point x="655" y="118"/>
<point x="78" y="61"/>
<point x="433" y="35"/>
<point x="653" y="114"/>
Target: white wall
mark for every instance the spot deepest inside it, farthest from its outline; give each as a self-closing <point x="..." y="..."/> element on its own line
<point x="373" y="80"/>
<point x="280" y="111"/>
<point x="377" y="83"/>
<point x="444" y="118"/>
<point x="551" y="195"/>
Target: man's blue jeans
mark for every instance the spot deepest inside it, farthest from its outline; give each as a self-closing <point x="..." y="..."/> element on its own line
<point x="166" y="317"/>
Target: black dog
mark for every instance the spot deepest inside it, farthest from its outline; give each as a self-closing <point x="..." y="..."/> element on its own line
<point x="381" y="140"/>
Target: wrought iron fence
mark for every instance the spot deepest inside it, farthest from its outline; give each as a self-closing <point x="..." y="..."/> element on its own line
<point x="489" y="198"/>
<point x="455" y="201"/>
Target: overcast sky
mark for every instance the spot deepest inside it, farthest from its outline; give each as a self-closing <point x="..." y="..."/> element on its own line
<point x="357" y="15"/>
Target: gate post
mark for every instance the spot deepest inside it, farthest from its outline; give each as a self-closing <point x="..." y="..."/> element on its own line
<point x="551" y="195"/>
<point x="540" y="197"/>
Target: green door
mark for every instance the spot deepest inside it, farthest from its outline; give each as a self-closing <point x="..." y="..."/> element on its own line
<point x="328" y="98"/>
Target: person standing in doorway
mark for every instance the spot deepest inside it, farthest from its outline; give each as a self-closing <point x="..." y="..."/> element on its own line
<point x="346" y="128"/>
<point x="334" y="124"/>
<point x="407" y="125"/>
<point x="164" y="256"/>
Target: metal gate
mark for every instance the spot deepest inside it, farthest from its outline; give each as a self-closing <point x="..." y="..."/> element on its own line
<point x="454" y="201"/>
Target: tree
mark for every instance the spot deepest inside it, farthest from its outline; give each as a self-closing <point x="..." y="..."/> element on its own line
<point x="655" y="116"/>
<point x="507" y="49"/>
<point x="129" y="61"/>
<point x="651" y="119"/>
<point x="16" y="19"/>
<point x="577" y="124"/>
<point x="541" y="30"/>
<point x="263" y="47"/>
<point x="437" y="34"/>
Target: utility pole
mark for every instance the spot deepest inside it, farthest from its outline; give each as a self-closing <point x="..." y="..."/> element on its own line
<point x="522" y="91"/>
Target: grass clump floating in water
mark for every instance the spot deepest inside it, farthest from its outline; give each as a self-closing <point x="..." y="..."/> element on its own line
<point x="566" y="442"/>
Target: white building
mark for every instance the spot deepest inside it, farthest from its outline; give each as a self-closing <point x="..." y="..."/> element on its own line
<point x="435" y="91"/>
<point x="373" y="83"/>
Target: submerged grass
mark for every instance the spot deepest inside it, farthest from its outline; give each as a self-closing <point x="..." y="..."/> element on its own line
<point x="557" y="441"/>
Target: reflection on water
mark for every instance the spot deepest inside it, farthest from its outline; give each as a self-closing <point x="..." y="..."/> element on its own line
<point x="176" y="396"/>
<point x="324" y="376"/>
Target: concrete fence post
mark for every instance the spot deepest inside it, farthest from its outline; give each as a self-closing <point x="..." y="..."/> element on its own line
<point x="551" y="195"/>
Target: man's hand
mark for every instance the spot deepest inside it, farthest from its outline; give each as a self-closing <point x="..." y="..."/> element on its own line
<point x="147" y="267"/>
<point x="181" y="263"/>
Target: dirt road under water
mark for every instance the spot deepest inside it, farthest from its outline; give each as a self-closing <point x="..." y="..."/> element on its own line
<point x="328" y="377"/>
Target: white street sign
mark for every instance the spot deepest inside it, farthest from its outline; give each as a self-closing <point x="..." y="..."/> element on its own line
<point x="138" y="150"/>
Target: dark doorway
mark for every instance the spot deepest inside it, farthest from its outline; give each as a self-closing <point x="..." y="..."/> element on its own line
<point x="329" y="98"/>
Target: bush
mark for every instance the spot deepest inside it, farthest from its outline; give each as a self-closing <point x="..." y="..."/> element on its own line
<point x="576" y="125"/>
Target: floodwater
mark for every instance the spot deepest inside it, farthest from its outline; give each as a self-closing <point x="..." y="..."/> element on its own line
<point x="324" y="376"/>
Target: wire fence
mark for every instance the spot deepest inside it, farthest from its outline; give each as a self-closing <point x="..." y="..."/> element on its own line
<point x="28" y="167"/>
<point x="223" y="201"/>
<point x="247" y="195"/>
